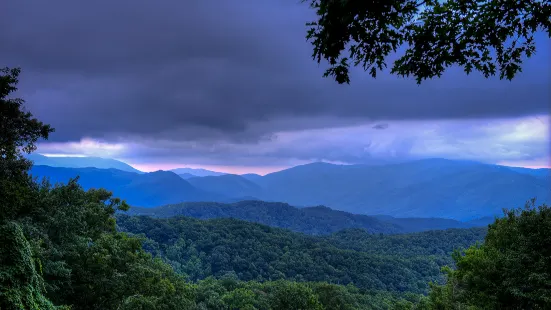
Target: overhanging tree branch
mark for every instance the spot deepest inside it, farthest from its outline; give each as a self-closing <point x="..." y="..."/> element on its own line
<point x="477" y="35"/>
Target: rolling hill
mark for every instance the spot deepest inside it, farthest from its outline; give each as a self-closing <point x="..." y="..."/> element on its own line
<point x="430" y="188"/>
<point x="251" y="251"/>
<point x="196" y="172"/>
<point x="252" y="176"/>
<point x="312" y="220"/>
<point x="186" y="175"/>
<point x="81" y="162"/>
<point x="230" y="185"/>
<point x="460" y="190"/>
<point x="145" y="190"/>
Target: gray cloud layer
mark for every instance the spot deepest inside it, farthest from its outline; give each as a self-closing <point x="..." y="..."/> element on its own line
<point x="217" y="70"/>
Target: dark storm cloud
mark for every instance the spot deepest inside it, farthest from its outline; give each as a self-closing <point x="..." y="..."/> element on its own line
<point x="217" y="70"/>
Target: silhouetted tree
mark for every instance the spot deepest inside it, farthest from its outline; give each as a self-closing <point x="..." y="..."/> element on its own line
<point x="488" y="36"/>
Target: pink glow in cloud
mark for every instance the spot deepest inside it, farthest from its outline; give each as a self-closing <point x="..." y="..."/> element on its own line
<point x="516" y="141"/>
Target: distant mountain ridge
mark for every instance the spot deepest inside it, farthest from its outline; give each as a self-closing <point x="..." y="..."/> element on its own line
<point x="145" y="190"/>
<point x="197" y="172"/>
<point x="108" y="163"/>
<point x="252" y="176"/>
<point x="230" y="185"/>
<point x="461" y="190"/>
<point x="81" y="162"/>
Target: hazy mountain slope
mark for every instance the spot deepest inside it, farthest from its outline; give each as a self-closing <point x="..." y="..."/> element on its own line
<point x="252" y="176"/>
<point x="482" y="222"/>
<point x="425" y="188"/>
<point x="230" y="185"/>
<point x="439" y="188"/>
<point x="197" y="172"/>
<point x="81" y="162"/>
<point x="313" y="220"/>
<point x="186" y="175"/>
<point x="417" y="224"/>
<point x="146" y="190"/>
<point x="543" y="173"/>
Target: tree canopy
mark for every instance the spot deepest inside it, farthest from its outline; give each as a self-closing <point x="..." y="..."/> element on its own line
<point x="510" y="270"/>
<point x="492" y="36"/>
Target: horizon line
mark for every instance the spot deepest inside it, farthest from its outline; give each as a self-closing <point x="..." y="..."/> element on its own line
<point x="240" y="170"/>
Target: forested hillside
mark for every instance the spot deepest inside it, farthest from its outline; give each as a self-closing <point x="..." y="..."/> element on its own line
<point x="401" y="263"/>
<point x="311" y="220"/>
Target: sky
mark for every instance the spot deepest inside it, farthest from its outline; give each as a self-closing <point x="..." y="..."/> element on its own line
<point x="231" y="86"/>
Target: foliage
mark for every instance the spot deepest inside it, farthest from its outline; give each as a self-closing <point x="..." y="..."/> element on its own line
<point x="510" y="270"/>
<point x="86" y="263"/>
<point x="488" y="36"/>
<point x="229" y="293"/>
<point x="19" y="132"/>
<point x="21" y="285"/>
<point x="314" y="220"/>
<point x="217" y="247"/>
<point x="317" y="220"/>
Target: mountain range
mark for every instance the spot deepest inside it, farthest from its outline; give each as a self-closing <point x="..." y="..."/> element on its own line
<point x="138" y="189"/>
<point x="423" y="188"/>
<point x="193" y="172"/>
<point x="81" y="162"/>
<point x="460" y="190"/>
<point x="107" y="163"/>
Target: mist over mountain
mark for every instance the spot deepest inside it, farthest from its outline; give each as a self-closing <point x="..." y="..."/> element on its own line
<point x="196" y="172"/>
<point x="80" y="162"/>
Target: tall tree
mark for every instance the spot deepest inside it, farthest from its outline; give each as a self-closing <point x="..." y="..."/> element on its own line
<point x="21" y="282"/>
<point x="491" y="36"/>
<point x="19" y="131"/>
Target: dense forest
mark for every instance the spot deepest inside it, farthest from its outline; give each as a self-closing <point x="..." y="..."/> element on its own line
<point x="319" y="220"/>
<point x="60" y="249"/>
<point x="397" y="263"/>
<point x="313" y="220"/>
